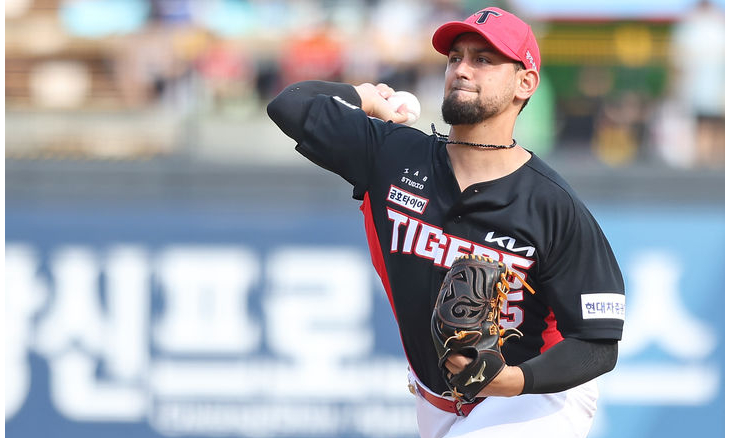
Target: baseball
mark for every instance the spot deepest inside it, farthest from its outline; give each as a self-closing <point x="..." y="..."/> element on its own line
<point x="414" y="106"/>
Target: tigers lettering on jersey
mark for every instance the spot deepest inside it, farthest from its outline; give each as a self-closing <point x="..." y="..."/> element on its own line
<point x="430" y="242"/>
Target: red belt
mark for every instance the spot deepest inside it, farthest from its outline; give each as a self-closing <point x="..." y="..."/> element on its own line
<point x="449" y="405"/>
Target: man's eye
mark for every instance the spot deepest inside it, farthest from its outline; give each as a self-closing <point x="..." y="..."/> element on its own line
<point x="483" y="60"/>
<point x="454" y="59"/>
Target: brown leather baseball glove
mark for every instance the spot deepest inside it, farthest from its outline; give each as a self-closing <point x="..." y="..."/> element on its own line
<point x="465" y="320"/>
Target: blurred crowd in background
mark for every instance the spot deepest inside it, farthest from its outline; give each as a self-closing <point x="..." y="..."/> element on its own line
<point x="130" y="79"/>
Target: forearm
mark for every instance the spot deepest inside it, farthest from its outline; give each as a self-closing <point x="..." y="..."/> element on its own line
<point x="569" y="363"/>
<point x="289" y="109"/>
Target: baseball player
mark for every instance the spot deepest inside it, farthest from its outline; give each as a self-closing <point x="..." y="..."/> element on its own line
<point x="431" y="200"/>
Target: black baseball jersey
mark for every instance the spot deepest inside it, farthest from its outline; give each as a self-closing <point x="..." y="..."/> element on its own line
<point x="418" y="221"/>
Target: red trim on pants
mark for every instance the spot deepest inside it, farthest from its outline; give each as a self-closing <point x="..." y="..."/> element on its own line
<point x="449" y="405"/>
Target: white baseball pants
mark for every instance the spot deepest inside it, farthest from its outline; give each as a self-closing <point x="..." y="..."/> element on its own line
<point x="567" y="414"/>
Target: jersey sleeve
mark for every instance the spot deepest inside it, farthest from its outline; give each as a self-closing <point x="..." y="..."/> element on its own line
<point x="582" y="279"/>
<point x="330" y="129"/>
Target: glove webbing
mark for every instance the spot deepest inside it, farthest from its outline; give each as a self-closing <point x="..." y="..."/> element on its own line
<point x="502" y="288"/>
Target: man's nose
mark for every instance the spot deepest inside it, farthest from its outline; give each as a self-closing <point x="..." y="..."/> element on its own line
<point x="463" y="70"/>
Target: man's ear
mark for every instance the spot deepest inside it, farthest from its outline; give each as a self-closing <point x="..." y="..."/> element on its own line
<point x="528" y="80"/>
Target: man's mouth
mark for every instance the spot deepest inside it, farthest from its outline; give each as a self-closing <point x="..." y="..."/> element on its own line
<point x="464" y="87"/>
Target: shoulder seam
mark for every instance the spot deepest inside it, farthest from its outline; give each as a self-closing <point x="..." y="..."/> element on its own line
<point x="564" y="190"/>
<point x="548" y="177"/>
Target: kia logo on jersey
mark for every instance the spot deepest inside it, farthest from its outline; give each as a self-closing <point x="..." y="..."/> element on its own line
<point x="508" y="242"/>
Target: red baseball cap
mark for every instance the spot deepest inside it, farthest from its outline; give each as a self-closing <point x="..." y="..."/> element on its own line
<point x="507" y="33"/>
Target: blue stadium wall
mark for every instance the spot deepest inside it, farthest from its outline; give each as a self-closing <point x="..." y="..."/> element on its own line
<point x="165" y="300"/>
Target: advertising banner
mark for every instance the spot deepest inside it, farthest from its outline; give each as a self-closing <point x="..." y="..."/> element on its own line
<point x="172" y="320"/>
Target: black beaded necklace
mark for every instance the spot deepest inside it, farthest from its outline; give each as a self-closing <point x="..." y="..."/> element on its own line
<point x="445" y="139"/>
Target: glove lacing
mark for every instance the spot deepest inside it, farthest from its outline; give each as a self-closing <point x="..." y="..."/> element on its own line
<point x="503" y="288"/>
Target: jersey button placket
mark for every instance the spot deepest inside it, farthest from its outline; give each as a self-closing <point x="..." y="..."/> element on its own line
<point x="457" y="218"/>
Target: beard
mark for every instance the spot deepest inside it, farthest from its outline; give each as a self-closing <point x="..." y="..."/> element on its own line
<point x="469" y="112"/>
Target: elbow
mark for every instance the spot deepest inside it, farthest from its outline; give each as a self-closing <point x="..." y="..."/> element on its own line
<point x="287" y="111"/>
<point x="288" y="100"/>
<point x="611" y="357"/>
<point x="275" y="109"/>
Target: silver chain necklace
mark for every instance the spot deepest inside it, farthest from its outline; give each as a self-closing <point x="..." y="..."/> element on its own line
<point x="445" y="139"/>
